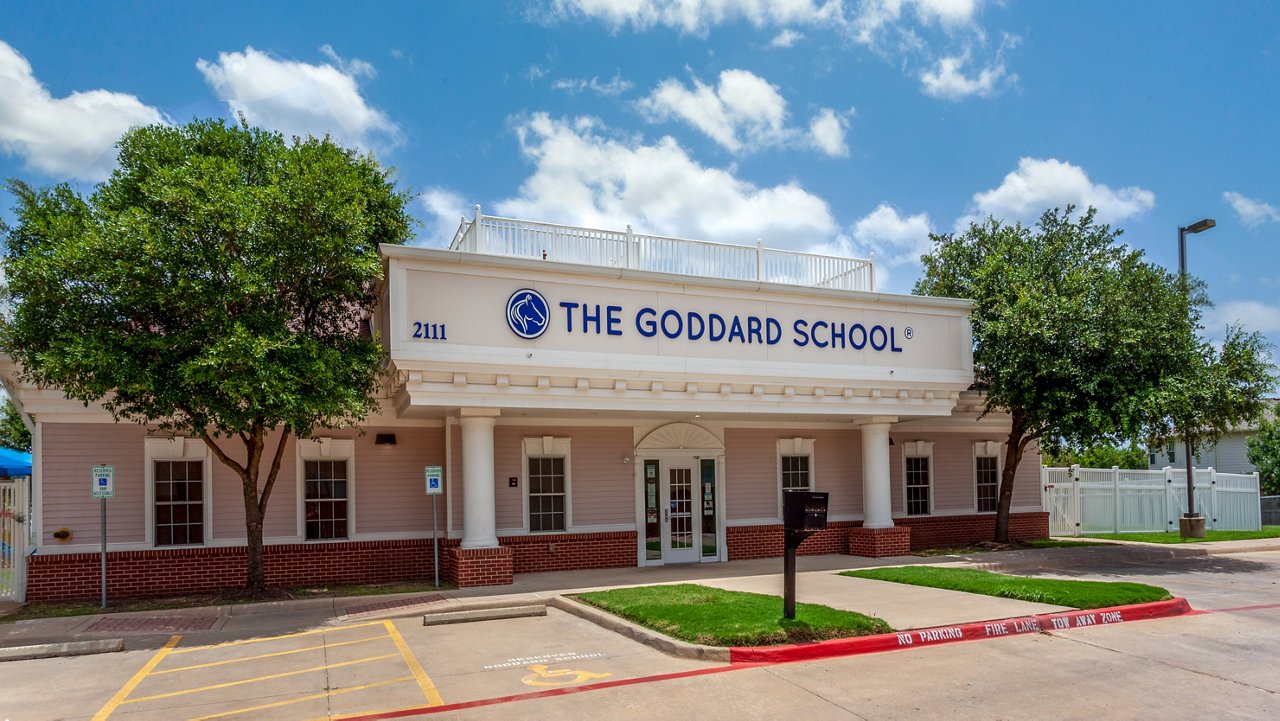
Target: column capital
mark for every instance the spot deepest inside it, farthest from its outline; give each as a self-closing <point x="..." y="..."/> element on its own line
<point x="874" y="420"/>
<point x="479" y="412"/>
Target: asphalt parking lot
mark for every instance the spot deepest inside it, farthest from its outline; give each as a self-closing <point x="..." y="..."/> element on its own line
<point x="355" y="670"/>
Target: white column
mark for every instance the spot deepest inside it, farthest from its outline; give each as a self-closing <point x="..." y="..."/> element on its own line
<point x="877" y="504"/>
<point x="478" y="515"/>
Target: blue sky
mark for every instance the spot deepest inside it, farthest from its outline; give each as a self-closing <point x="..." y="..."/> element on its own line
<point x="851" y="127"/>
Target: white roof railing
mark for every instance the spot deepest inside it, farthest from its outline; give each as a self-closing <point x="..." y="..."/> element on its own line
<point x="493" y="235"/>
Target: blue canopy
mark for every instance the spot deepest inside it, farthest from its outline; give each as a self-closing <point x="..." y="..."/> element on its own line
<point x="14" y="463"/>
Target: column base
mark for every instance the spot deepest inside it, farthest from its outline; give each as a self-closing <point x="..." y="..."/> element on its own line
<point x="479" y="566"/>
<point x="879" y="542"/>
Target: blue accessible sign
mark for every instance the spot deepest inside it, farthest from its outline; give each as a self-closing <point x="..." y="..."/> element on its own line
<point x="434" y="474"/>
<point x="104" y="481"/>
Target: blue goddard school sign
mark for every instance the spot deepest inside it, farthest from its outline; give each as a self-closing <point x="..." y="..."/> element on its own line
<point x="529" y="315"/>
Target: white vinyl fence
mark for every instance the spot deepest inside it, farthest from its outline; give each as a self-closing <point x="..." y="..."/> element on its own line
<point x="13" y="538"/>
<point x="1081" y="501"/>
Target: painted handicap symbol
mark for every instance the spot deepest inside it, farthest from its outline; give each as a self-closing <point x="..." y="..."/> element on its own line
<point x="543" y="676"/>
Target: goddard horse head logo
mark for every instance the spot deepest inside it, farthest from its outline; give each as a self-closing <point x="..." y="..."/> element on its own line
<point x="527" y="313"/>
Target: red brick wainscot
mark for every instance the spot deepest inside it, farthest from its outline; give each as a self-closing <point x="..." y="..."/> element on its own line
<point x="924" y="532"/>
<point x="172" y="571"/>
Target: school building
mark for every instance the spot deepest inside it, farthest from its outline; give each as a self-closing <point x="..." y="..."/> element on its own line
<point x="594" y="399"/>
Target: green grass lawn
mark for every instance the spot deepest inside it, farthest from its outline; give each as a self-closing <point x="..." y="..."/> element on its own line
<point x="715" y="617"/>
<point x="1175" y="537"/>
<point x="1075" y="594"/>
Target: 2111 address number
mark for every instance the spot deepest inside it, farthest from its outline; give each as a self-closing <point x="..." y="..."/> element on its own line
<point x="429" y="331"/>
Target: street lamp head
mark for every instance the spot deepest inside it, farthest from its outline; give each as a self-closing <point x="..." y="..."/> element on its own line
<point x="1201" y="225"/>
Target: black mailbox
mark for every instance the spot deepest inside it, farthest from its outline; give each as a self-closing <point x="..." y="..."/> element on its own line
<point x="804" y="510"/>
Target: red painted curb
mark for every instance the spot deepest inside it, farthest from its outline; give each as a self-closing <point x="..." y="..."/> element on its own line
<point x="960" y="632"/>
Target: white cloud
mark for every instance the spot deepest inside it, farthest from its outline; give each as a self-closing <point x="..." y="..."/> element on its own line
<point x="697" y="16"/>
<point x="1250" y="314"/>
<point x="584" y="175"/>
<point x="446" y="209"/>
<point x="786" y="38"/>
<point x="616" y="85"/>
<point x="744" y="112"/>
<point x="893" y="238"/>
<point x="826" y="132"/>
<point x="70" y="137"/>
<point x="948" y="81"/>
<point x="1038" y="185"/>
<point x="1252" y="212"/>
<point x="298" y="98"/>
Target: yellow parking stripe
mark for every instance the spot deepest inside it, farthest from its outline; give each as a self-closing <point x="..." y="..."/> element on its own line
<point x="270" y="655"/>
<point x="428" y="688"/>
<point x="277" y="638"/>
<point x="312" y="697"/>
<point x="259" y="678"/>
<point x="128" y="688"/>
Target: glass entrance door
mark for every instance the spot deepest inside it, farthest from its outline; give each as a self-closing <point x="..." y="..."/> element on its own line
<point x="681" y="534"/>
<point x="680" y="510"/>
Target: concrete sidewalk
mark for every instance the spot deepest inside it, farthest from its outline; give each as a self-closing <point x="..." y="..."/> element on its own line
<point x="901" y="606"/>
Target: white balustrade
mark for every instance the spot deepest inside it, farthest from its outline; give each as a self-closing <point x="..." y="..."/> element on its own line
<point x="492" y="235"/>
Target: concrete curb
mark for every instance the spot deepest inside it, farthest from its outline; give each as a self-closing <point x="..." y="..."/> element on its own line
<point x="440" y="618"/>
<point x="669" y="646"/>
<point x="54" y="650"/>
<point x="938" y="635"/>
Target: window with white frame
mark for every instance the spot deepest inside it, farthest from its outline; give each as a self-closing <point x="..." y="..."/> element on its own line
<point x="918" y="477"/>
<point x="326" y="469"/>
<point x="547" y="484"/>
<point x="986" y="475"/>
<point x="177" y="475"/>
<point x="795" y="464"/>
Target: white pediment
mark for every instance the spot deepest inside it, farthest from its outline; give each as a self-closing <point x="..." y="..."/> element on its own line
<point x="679" y="436"/>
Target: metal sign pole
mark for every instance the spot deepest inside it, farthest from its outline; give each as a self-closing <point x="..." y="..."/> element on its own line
<point x="103" y="501"/>
<point x="435" y="542"/>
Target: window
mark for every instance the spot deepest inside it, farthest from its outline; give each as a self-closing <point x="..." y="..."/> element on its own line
<point x="986" y="475"/>
<point x="326" y="500"/>
<point x="547" y="484"/>
<point x="179" y="509"/>
<point x="1151" y="458"/>
<point x="176" y="496"/>
<point x="796" y="467"/>
<point x="918" y="477"/>
<point x="795" y="473"/>
<point x="546" y="494"/>
<point x="326" y="488"/>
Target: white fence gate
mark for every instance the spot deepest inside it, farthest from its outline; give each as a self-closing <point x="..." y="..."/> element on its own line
<point x="1081" y="501"/>
<point x="13" y="538"/>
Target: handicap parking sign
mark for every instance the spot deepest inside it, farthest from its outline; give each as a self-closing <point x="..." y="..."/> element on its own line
<point x="434" y="474"/>
<point x="104" y="481"/>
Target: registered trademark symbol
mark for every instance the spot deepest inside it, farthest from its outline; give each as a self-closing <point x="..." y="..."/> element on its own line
<point x="908" y="332"/>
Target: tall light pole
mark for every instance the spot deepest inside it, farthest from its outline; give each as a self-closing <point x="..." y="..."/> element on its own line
<point x="1188" y="527"/>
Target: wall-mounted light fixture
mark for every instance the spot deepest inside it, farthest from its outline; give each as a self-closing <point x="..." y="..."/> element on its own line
<point x="626" y="460"/>
<point x="384" y="439"/>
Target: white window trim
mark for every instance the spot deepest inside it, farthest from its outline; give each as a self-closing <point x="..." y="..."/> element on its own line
<point x="546" y="447"/>
<point x="177" y="448"/>
<point x="326" y="449"/>
<point x="918" y="449"/>
<point x="986" y="449"/>
<point x="796" y="446"/>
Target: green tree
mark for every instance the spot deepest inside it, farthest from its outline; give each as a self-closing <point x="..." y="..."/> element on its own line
<point x="1097" y="456"/>
<point x="218" y="284"/>
<point x="1069" y="328"/>
<point x="1264" y="454"/>
<point x="1211" y="392"/>
<point x="13" y="432"/>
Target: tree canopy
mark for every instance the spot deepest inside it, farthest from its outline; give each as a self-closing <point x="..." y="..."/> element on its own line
<point x="1264" y="454"/>
<point x="1103" y="455"/>
<point x="219" y="283"/>
<point x="13" y="432"/>
<point x="1071" y="328"/>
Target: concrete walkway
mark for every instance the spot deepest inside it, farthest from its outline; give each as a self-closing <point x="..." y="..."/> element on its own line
<point x="902" y="606"/>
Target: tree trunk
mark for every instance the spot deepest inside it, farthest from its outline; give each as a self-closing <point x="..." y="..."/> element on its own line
<point x="256" y="578"/>
<point x="1012" y="456"/>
